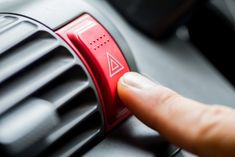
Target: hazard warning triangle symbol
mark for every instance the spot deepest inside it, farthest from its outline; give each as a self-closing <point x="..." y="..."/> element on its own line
<point x="114" y="65"/>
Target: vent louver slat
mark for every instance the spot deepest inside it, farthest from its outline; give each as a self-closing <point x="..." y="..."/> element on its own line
<point x="64" y="88"/>
<point x="15" y="34"/>
<point x="33" y="79"/>
<point x="19" y="58"/>
<point x="36" y="65"/>
<point x="75" y="138"/>
<point x="6" y="21"/>
<point x="68" y="124"/>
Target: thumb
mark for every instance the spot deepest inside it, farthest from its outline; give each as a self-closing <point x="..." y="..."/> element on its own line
<point x="201" y="129"/>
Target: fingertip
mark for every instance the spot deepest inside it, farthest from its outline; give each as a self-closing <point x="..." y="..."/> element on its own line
<point x="136" y="92"/>
<point x="121" y="88"/>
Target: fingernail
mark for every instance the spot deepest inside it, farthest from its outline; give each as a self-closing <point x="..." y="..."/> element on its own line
<point x="135" y="80"/>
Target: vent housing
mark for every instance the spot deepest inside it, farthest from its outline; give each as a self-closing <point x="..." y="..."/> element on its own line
<point x="48" y="103"/>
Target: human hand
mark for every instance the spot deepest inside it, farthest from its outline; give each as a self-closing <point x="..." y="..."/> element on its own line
<point x="208" y="131"/>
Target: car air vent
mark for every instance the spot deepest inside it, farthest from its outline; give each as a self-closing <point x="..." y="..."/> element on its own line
<point x="48" y="103"/>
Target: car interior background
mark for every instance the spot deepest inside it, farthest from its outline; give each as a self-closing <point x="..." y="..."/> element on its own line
<point x="60" y="61"/>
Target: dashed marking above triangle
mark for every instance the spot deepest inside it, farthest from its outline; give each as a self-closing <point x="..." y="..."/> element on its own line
<point x="114" y="65"/>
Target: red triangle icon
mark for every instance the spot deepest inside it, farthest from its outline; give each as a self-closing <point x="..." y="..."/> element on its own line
<point x="114" y="65"/>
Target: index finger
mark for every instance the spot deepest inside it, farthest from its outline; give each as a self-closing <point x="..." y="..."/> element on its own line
<point x="201" y="129"/>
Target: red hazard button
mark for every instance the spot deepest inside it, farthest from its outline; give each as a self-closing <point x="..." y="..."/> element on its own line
<point x="99" y="50"/>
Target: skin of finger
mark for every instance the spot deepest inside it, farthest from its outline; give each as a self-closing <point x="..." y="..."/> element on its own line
<point x="187" y="123"/>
